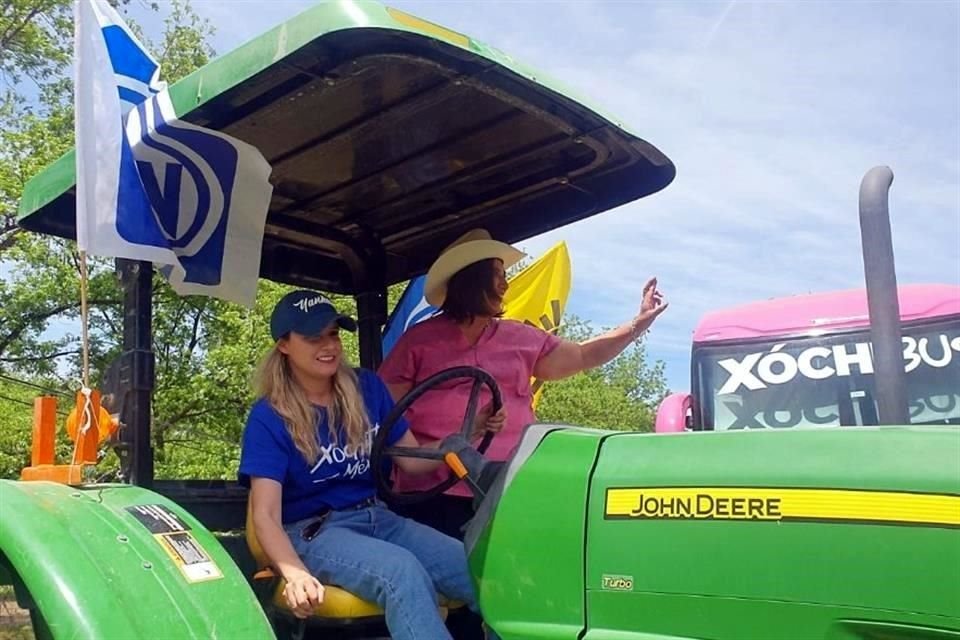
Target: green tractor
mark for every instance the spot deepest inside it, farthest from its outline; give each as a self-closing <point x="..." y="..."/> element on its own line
<point x="389" y="136"/>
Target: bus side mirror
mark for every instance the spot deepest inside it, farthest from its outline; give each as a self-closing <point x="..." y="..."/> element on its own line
<point x="675" y="413"/>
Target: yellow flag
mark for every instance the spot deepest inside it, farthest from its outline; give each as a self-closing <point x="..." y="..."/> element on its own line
<point x="538" y="295"/>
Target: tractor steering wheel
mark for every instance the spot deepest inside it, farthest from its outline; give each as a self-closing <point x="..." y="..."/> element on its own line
<point x="379" y="450"/>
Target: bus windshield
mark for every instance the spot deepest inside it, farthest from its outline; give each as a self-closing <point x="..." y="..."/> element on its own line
<point x="826" y="380"/>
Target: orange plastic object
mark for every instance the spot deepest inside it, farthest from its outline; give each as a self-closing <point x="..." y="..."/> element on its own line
<point x="61" y="473"/>
<point x="44" y="431"/>
<point x="43" y="456"/>
<point x="107" y="424"/>
<point x="85" y="451"/>
<point x="265" y="574"/>
<point x="456" y="465"/>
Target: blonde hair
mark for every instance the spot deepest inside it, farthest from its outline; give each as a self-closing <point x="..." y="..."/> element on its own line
<point x="275" y="382"/>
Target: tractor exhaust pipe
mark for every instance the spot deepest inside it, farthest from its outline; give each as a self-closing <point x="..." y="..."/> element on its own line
<point x="882" y="301"/>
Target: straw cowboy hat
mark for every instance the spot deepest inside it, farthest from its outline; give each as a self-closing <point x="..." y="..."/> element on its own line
<point x="471" y="247"/>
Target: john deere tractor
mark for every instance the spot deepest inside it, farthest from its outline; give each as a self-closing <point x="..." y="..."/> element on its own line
<point x="390" y="136"/>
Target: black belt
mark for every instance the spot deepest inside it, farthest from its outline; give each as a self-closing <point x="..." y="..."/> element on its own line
<point x="363" y="504"/>
<point x="312" y="528"/>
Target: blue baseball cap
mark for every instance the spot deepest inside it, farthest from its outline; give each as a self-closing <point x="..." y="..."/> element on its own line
<point x="307" y="313"/>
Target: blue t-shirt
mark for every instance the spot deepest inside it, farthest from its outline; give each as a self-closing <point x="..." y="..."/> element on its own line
<point x="336" y="480"/>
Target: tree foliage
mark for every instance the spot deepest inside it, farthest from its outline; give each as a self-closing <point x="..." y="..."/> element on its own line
<point x="32" y="39"/>
<point x="621" y="395"/>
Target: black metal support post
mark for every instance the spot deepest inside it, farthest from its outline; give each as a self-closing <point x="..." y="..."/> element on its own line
<point x="137" y="368"/>
<point x="371" y="316"/>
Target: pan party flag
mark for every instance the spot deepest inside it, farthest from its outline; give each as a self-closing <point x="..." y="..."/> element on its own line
<point x="151" y="186"/>
<point x="538" y="295"/>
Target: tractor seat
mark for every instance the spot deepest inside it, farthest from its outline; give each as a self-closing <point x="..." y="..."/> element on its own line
<point x="339" y="605"/>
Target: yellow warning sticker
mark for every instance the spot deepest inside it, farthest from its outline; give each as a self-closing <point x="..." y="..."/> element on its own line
<point x="173" y="534"/>
<point x="429" y="28"/>
<point x="189" y="556"/>
<point x="780" y="505"/>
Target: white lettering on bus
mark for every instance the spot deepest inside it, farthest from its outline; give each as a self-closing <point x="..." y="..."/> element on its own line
<point x="807" y="368"/>
<point x="774" y="367"/>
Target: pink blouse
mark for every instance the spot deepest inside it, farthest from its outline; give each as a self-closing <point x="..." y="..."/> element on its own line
<point x="508" y="350"/>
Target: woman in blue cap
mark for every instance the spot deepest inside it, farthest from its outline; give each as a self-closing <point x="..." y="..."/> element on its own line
<point x="305" y="457"/>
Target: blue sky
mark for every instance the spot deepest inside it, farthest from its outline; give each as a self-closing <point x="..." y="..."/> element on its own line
<point x="772" y="112"/>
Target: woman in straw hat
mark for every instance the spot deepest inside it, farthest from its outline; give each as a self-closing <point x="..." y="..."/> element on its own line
<point x="306" y="457"/>
<point x="468" y="282"/>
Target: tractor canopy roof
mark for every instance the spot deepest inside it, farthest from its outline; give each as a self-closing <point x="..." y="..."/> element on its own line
<point x="390" y="136"/>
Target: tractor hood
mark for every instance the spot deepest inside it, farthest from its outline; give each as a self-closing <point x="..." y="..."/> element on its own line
<point x="389" y="137"/>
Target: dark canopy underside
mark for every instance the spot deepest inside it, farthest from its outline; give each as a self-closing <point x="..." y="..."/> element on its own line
<point x="388" y="144"/>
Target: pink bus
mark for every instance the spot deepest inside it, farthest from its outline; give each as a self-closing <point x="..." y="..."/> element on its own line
<point x="807" y="361"/>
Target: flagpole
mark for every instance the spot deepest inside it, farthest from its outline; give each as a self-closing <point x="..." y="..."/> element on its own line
<point x="85" y="411"/>
<point x="84" y="320"/>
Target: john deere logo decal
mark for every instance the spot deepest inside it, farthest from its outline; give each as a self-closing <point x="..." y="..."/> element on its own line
<point x="758" y="504"/>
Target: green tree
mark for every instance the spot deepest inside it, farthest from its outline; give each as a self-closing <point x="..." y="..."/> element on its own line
<point x="621" y="395"/>
<point x="33" y="42"/>
<point x="39" y="291"/>
<point x="36" y="95"/>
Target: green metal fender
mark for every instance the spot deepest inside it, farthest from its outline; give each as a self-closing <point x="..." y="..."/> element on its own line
<point x="119" y="561"/>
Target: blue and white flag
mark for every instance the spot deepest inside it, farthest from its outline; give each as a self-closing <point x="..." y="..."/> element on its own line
<point x="411" y="309"/>
<point x="150" y="187"/>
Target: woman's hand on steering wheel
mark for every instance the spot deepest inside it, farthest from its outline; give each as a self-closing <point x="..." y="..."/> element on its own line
<point x="459" y="450"/>
<point x="487" y="420"/>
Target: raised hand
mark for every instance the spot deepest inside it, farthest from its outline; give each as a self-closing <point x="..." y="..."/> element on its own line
<point x="651" y="307"/>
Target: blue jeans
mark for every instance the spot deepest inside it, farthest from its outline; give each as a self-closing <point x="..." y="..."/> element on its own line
<point x="400" y="564"/>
